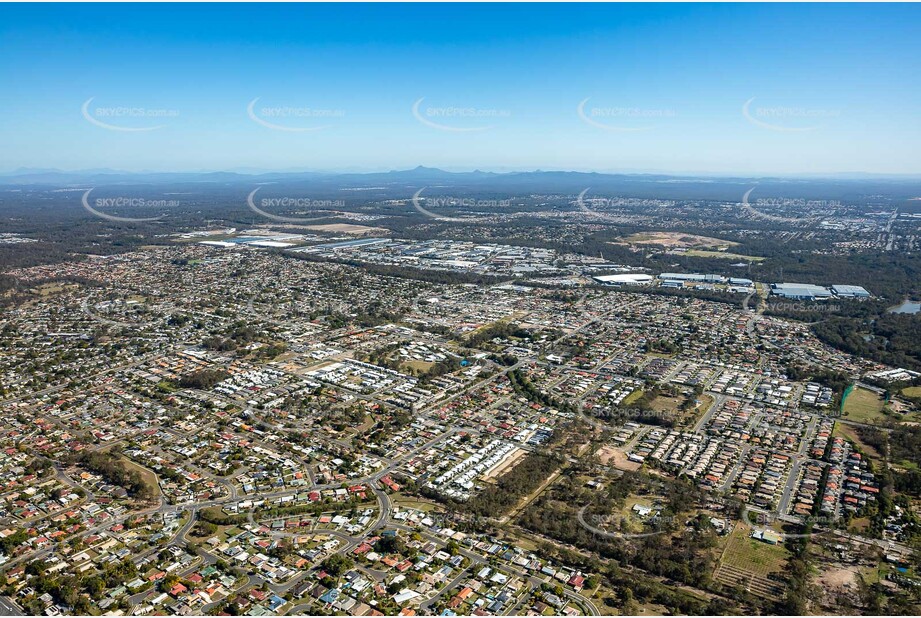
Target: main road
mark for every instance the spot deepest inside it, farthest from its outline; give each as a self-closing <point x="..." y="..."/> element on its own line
<point x="9" y="608"/>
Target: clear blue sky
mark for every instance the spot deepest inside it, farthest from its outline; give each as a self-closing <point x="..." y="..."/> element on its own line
<point x="847" y="76"/>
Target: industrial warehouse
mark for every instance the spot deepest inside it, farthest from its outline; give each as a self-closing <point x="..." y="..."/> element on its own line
<point x="739" y="285"/>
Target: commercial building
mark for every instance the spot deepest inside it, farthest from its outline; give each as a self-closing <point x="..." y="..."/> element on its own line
<point x="850" y="291"/>
<point x="696" y="277"/>
<point x="624" y="279"/>
<point x="800" y="291"/>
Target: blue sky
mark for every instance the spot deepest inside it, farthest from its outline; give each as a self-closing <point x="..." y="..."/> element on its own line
<point x="829" y="88"/>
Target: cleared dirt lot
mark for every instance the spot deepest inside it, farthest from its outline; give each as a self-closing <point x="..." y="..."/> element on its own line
<point x="676" y="240"/>
<point x="348" y="228"/>
<point x="506" y="466"/>
<point x="611" y="455"/>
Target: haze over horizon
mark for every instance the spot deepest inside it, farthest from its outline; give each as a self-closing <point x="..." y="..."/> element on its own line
<point x="498" y="171"/>
<point x="678" y="89"/>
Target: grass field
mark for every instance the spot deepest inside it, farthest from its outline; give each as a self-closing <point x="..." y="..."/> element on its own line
<point x="47" y="289"/>
<point x="419" y="366"/>
<point x="677" y="240"/>
<point x="691" y="417"/>
<point x="632" y="521"/>
<point x="723" y="255"/>
<point x="912" y="391"/>
<point x="411" y="503"/>
<point x="849" y="432"/>
<point x="753" y="556"/>
<point x="666" y="405"/>
<point x="863" y="406"/>
<point x="859" y="525"/>
<point x="632" y="397"/>
<point x="750" y="564"/>
<point x="366" y="424"/>
<point x="520" y="540"/>
<point x="150" y="479"/>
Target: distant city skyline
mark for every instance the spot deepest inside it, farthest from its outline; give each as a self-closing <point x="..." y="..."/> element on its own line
<point x="673" y="89"/>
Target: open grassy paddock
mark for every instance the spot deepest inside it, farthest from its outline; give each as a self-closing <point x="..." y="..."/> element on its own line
<point x="863" y="406"/>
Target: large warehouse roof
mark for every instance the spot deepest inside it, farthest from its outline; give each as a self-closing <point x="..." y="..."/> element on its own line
<point x="624" y="278"/>
<point x="850" y="290"/>
<point x="800" y="290"/>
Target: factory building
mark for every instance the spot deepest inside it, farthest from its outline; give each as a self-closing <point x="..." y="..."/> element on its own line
<point x="850" y="291"/>
<point x="800" y="291"/>
<point x="624" y="279"/>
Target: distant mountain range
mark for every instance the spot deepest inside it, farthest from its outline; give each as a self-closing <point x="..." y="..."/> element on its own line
<point x="842" y="186"/>
<point x="54" y="176"/>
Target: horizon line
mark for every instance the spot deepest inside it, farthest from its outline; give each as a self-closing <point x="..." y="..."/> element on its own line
<point x="256" y="171"/>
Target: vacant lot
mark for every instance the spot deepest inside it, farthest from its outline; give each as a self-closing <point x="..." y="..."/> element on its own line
<point x="751" y="565"/>
<point x="47" y="289"/>
<point x="692" y="416"/>
<point x="505" y="466"/>
<point x="863" y="406"/>
<point x="756" y="557"/>
<point x="147" y="475"/>
<point x="412" y="502"/>
<point x="632" y="397"/>
<point x="616" y="457"/>
<point x="677" y="240"/>
<point x="912" y="391"/>
<point x="723" y="255"/>
<point x="348" y="228"/>
<point x="667" y="405"/>
<point x="850" y="432"/>
<point x="418" y="366"/>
